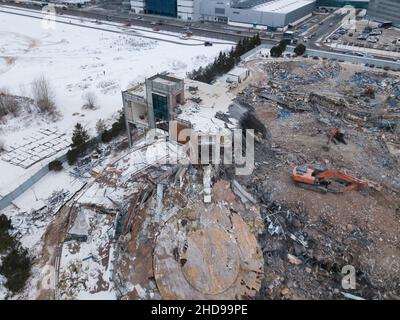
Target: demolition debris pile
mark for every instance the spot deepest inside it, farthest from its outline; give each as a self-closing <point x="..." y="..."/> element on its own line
<point x="308" y="236"/>
<point x="142" y="228"/>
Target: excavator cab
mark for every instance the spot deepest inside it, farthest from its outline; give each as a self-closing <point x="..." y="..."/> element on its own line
<point x="307" y="178"/>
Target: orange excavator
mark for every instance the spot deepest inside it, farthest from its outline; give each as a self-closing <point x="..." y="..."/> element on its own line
<point x="336" y="135"/>
<point x="321" y="180"/>
<point x="369" y="92"/>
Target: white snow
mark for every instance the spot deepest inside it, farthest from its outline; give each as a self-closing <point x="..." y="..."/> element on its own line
<point x="84" y="267"/>
<point x="3" y="290"/>
<point x="34" y="199"/>
<point x="214" y="98"/>
<point x="77" y="60"/>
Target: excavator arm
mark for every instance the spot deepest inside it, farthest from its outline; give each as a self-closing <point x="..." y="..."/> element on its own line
<point x="349" y="182"/>
<point x="325" y="180"/>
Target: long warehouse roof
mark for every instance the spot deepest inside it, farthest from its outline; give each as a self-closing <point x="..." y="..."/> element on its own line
<point x="282" y="6"/>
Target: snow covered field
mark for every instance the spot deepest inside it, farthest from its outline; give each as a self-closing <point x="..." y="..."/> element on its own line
<point x="77" y="60"/>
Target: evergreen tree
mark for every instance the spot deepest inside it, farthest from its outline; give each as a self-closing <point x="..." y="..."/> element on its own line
<point x="300" y="49"/>
<point x="225" y="61"/>
<point x="282" y="45"/>
<point x="79" y="136"/>
<point x="6" y="241"/>
<point x="55" y="165"/>
<point x="100" y="126"/>
<point x="16" y="266"/>
<point x="276" y="51"/>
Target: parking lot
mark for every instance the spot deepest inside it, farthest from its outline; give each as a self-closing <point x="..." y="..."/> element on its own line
<point x="367" y="34"/>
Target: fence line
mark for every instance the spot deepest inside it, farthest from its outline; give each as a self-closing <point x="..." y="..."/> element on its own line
<point x="11" y="196"/>
<point x="331" y="55"/>
<point x="28" y="183"/>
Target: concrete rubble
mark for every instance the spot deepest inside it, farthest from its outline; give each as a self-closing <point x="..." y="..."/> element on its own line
<point x="146" y="229"/>
<point x="309" y="237"/>
<point x="217" y="235"/>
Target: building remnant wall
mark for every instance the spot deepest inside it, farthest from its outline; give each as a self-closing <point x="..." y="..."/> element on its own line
<point x="237" y="75"/>
<point x="153" y="103"/>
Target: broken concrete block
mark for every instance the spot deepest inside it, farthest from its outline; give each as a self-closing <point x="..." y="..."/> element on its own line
<point x="293" y="259"/>
<point x="244" y="196"/>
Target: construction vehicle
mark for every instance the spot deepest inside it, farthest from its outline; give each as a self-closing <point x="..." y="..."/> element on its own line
<point x="322" y="180"/>
<point x="336" y="135"/>
<point x="369" y="92"/>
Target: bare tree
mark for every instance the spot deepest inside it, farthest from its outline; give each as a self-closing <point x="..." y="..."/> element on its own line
<point x="1" y="146"/>
<point x="8" y="103"/>
<point x="43" y="96"/>
<point x="90" y="101"/>
<point x="100" y="126"/>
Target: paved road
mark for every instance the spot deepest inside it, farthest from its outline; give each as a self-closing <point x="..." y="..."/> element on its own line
<point x="322" y="30"/>
<point x="26" y="14"/>
<point x="206" y="30"/>
<point x="76" y="22"/>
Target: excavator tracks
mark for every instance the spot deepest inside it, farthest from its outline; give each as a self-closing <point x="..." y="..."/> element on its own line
<point x="311" y="187"/>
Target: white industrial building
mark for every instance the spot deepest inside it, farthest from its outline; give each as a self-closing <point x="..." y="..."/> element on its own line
<point x="249" y="13"/>
<point x="214" y="10"/>
<point x="137" y="6"/>
<point x="188" y="9"/>
<point x="237" y="75"/>
<point x="274" y="14"/>
<point x="385" y="10"/>
<point x="185" y="9"/>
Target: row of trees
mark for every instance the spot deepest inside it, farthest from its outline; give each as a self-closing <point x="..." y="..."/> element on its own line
<point x="116" y="128"/>
<point x="81" y="139"/>
<point x="276" y="51"/>
<point x="225" y="60"/>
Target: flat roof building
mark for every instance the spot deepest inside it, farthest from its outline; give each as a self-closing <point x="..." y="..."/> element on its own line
<point x="181" y="9"/>
<point x="253" y="13"/>
<point x="237" y="75"/>
<point x="273" y="14"/>
<point x="164" y="101"/>
<point x="385" y="10"/>
<point x="281" y="6"/>
<point x="358" y="4"/>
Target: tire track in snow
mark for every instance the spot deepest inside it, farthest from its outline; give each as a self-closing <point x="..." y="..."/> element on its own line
<point x="107" y="30"/>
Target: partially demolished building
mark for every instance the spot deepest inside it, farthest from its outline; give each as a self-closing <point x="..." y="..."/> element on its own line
<point x="169" y="103"/>
<point x="154" y="103"/>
